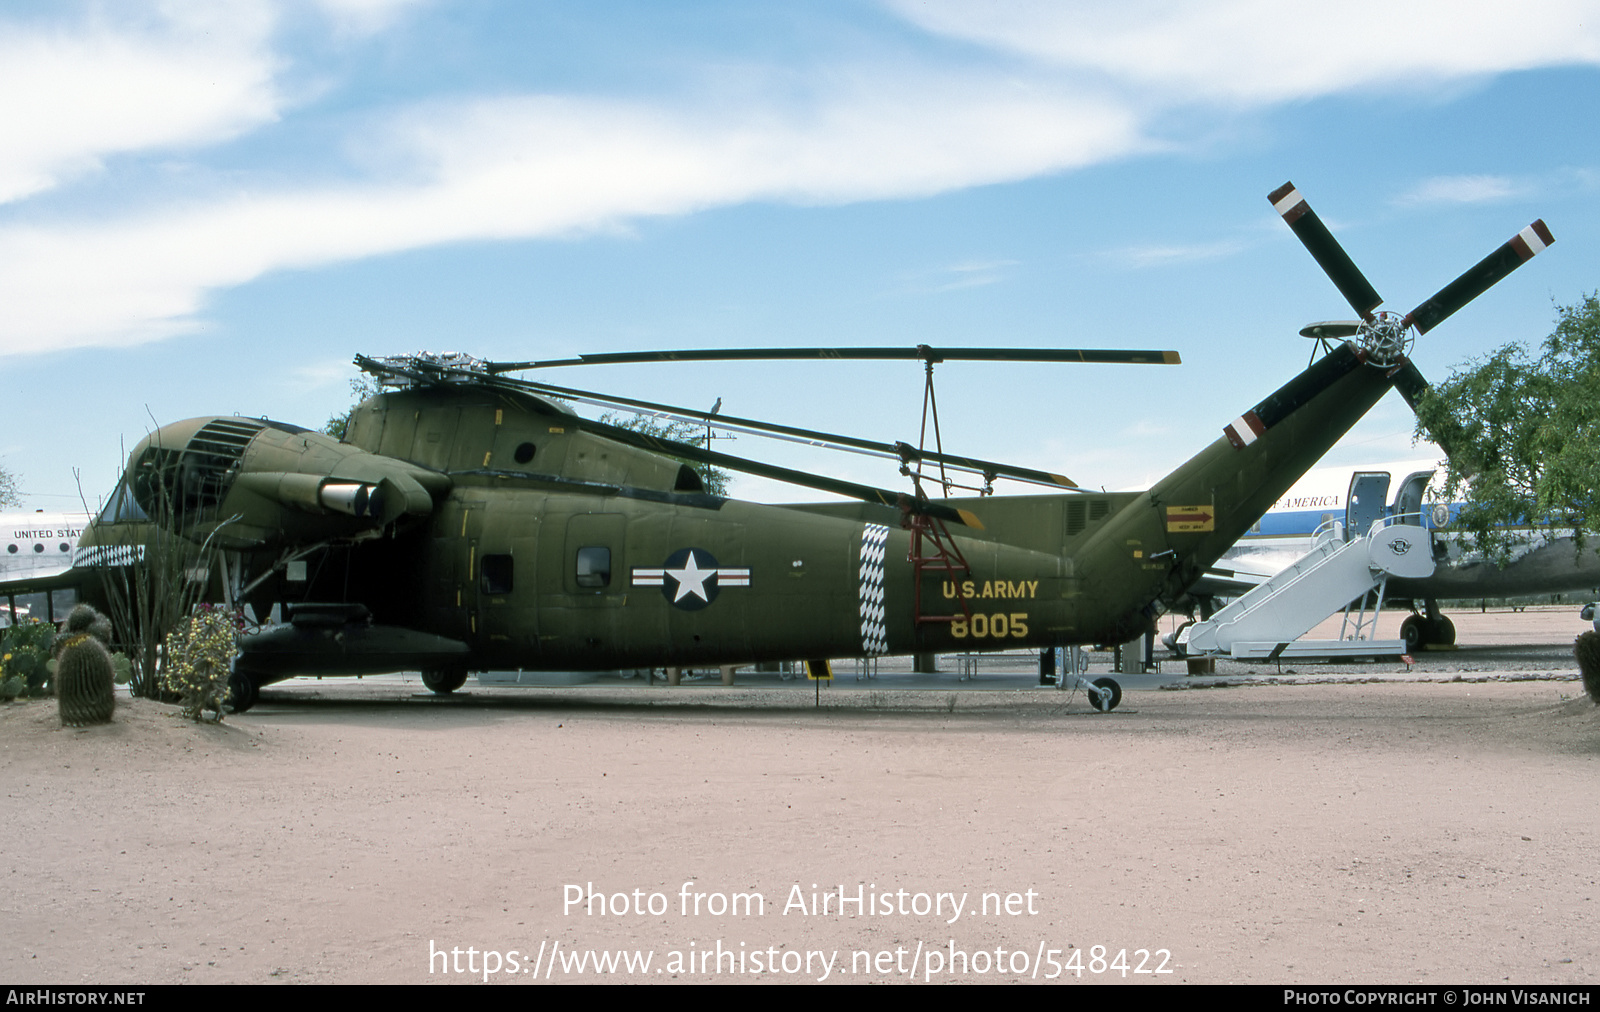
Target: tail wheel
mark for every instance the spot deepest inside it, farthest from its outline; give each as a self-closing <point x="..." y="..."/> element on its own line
<point x="1109" y="703"/>
<point x="444" y="680"/>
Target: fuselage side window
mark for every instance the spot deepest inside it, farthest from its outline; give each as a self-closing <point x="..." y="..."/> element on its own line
<point x="594" y="567"/>
<point x="495" y="575"/>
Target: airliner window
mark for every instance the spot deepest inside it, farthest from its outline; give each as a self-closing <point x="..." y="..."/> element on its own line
<point x="39" y="547"/>
<point x="594" y="567"/>
<point x="495" y="576"/>
<point x="12" y="549"/>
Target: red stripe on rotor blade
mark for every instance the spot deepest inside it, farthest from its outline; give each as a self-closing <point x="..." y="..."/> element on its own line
<point x="1531" y="241"/>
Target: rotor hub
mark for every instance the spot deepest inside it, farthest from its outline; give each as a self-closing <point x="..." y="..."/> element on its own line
<point x="423" y="368"/>
<point x="1386" y="339"/>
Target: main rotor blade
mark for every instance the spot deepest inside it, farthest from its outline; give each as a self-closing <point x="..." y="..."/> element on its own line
<point x="1522" y="247"/>
<point x="920" y="353"/>
<point x="900" y="451"/>
<point x="1325" y="249"/>
<point x="866" y="493"/>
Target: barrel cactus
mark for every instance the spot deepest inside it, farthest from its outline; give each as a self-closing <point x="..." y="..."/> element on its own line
<point x="84" y="672"/>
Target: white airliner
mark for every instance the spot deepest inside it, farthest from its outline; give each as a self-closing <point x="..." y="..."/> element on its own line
<point x="1544" y="563"/>
<point x="1336" y="494"/>
<point x="35" y="548"/>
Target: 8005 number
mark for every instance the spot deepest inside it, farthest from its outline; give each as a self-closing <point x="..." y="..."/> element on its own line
<point x="996" y="626"/>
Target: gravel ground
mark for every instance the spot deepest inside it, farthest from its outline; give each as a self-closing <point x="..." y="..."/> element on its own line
<point x="1431" y="826"/>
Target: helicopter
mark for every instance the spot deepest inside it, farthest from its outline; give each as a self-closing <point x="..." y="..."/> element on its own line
<point x="470" y="521"/>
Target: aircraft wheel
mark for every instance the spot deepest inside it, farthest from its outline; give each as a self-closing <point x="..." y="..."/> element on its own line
<point x="444" y="680"/>
<point x="1414" y="631"/>
<point x="242" y="692"/>
<point x="1444" y="632"/>
<point x="1116" y="695"/>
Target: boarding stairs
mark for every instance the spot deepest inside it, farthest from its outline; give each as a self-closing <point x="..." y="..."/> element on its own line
<point x="1338" y="573"/>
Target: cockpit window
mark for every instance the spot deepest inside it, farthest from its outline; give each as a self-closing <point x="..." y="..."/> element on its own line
<point x="194" y="478"/>
<point x="123" y="507"/>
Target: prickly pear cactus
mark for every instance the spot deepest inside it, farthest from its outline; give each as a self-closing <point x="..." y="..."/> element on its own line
<point x="25" y="659"/>
<point x="84" y="672"/>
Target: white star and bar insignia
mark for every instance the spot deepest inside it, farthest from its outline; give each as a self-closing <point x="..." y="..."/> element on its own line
<point x="691" y="578"/>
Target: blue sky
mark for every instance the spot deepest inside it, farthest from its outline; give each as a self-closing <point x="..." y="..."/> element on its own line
<point x="210" y="207"/>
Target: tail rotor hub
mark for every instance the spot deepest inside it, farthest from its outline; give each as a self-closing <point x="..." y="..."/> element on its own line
<point x="1385" y="338"/>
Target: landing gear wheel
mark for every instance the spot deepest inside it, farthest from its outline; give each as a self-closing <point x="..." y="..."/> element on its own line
<point x="242" y="692"/>
<point x="1414" y="631"/>
<point x="1116" y="695"/>
<point x="1444" y="632"/>
<point x="444" y="681"/>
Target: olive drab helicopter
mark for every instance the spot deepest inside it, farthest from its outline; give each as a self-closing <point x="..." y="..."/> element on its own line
<point x="469" y="521"/>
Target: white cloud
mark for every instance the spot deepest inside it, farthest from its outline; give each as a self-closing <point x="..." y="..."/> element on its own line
<point x="1458" y="190"/>
<point x="527" y="167"/>
<point x="953" y="277"/>
<point x="191" y="74"/>
<point x="1161" y="255"/>
<point x="1267" y="51"/>
<point x="323" y="373"/>
<point x="365" y="17"/>
<point x="1090" y="79"/>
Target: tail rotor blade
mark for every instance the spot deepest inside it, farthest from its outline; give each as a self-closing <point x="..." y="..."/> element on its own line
<point x="1522" y="248"/>
<point x="1325" y="249"/>
<point x="1408" y="379"/>
<point x="1447" y="433"/>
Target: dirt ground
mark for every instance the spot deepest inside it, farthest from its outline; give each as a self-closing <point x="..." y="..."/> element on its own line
<point x="1428" y="832"/>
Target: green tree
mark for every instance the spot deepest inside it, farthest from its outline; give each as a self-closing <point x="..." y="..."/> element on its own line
<point x="361" y="388"/>
<point x="715" y="479"/>
<point x="1523" y="435"/>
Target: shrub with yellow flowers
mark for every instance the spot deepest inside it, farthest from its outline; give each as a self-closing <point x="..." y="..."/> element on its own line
<point x="198" y="660"/>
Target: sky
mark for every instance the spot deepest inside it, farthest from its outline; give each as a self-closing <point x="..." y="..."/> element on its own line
<point x="211" y="207"/>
